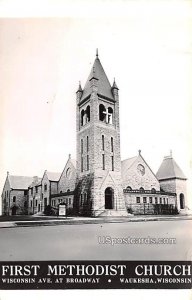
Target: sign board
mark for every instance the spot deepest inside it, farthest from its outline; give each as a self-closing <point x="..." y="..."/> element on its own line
<point x="62" y="210"/>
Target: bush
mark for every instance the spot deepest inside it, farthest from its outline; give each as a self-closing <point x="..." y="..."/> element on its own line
<point x="49" y="211"/>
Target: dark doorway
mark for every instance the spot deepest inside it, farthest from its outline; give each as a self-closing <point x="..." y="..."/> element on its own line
<point x="182" y="201"/>
<point x="109" y="197"/>
<point x="14" y="209"/>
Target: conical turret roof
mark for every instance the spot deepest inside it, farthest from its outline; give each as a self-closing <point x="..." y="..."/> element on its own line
<point x="104" y="87"/>
<point x="169" y="169"/>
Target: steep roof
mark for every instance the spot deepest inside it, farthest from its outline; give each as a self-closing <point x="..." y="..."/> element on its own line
<point x="127" y="163"/>
<point x="104" y="87"/>
<point x="53" y="176"/>
<point x="169" y="169"/>
<point x="20" y="182"/>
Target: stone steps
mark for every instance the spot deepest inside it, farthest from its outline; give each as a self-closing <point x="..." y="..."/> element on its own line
<point x="114" y="213"/>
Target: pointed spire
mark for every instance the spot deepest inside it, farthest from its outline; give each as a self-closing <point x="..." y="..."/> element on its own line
<point x="139" y="152"/>
<point x="114" y="85"/>
<point x="97" y="53"/>
<point x="98" y="78"/>
<point x="79" y="88"/>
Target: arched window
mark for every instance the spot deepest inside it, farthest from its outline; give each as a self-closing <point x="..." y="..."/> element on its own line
<point x="102" y="113"/>
<point x="88" y="114"/>
<point x="87" y="144"/>
<point x="129" y="188"/>
<point x="182" y="201"/>
<point x="141" y="189"/>
<point x="82" y="117"/>
<point x="68" y="172"/>
<point x="109" y="198"/>
<point x="110" y="116"/>
<point x="61" y="192"/>
<point x="153" y="190"/>
<point x="14" y="199"/>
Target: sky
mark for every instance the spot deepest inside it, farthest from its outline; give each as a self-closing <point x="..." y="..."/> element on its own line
<point x="145" y="45"/>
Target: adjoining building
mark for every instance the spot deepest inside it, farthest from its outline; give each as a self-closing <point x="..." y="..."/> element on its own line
<point x="98" y="183"/>
<point x="15" y="195"/>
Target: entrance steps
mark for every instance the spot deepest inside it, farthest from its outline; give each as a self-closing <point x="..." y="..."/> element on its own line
<point x="114" y="213"/>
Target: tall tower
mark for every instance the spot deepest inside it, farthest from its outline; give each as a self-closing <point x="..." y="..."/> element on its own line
<point x="99" y="190"/>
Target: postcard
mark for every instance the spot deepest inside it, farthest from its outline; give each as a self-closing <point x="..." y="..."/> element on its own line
<point x="96" y="178"/>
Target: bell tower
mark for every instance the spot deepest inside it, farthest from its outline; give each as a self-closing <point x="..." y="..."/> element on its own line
<point x="99" y="190"/>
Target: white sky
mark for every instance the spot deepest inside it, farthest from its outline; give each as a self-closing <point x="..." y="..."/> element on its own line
<point x="145" y="45"/>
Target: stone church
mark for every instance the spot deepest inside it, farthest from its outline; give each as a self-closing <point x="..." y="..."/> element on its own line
<point x="98" y="183"/>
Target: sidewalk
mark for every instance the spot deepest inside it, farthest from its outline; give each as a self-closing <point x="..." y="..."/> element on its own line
<point x="89" y="220"/>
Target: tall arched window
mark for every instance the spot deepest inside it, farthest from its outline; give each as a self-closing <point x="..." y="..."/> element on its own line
<point x="82" y="117"/>
<point x="182" y="201"/>
<point x="88" y="114"/>
<point x="110" y="116"/>
<point x="102" y="113"/>
<point x="87" y="144"/>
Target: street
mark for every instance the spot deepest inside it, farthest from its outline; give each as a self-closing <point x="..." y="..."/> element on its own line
<point x="81" y="242"/>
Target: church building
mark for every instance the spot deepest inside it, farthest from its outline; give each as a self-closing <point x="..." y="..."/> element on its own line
<point x="98" y="183"/>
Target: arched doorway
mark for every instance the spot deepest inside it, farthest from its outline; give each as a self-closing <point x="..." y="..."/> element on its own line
<point x="182" y="201"/>
<point x="14" y="209"/>
<point x="109" y="198"/>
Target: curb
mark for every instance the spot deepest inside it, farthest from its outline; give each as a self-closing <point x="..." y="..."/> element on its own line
<point x="82" y="222"/>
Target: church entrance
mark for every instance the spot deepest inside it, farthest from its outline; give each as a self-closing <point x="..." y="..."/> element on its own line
<point x="14" y="209"/>
<point x="109" y="198"/>
<point x="182" y="201"/>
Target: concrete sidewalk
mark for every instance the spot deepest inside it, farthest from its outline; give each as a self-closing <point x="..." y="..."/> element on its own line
<point x="89" y="220"/>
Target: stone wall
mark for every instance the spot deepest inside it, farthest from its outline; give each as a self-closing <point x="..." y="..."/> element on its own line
<point x="20" y="202"/>
<point x="133" y="178"/>
<point x="5" y="197"/>
<point x="35" y="203"/>
<point x="45" y="191"/>
<point x="147" y="202"/>
<point x="68" y="178"/>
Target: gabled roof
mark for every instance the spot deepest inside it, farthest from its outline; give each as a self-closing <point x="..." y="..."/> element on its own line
<point x="53" y="176"/>
<point x="169" y="169"/>
<point x="20" y="182"/>
<point x="127" y="163"/>
<point x="104" y="87"/>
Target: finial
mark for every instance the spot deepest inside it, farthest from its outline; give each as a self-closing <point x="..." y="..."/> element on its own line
<point x="114" y="85"/>
<point x="69" y="156"/>
<point x="139" y="152"/>
<point x="7" y="173"/>
<point x="170" y="153"/>
<point x="79" y="88"/>
<point x="97" y="54"/>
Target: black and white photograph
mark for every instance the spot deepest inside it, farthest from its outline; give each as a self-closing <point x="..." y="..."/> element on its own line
<point x="95" y="140"/>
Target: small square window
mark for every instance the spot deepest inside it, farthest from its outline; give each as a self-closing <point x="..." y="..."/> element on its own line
<point x="144" y="199"/>
<point x="138" y="199"/>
